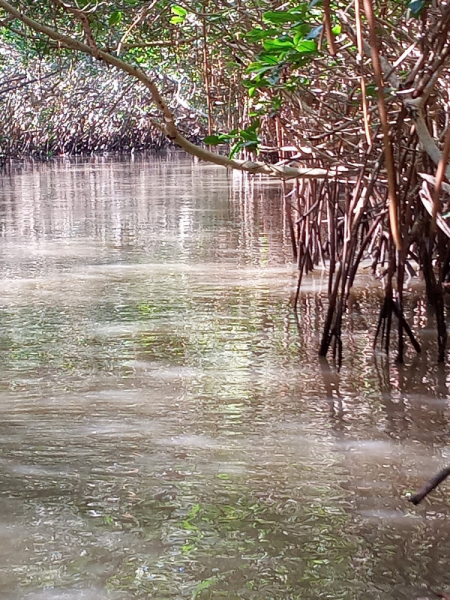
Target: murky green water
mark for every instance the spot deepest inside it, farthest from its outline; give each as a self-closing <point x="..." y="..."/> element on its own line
<point x="168" y="432"/>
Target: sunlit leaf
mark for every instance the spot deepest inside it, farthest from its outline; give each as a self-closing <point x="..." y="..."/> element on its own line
<point x="178" y="10"/>
<point x="179" y="13"/>
<point x="115" y="17"/>
<point x="306" y="46"/>
<point x="278" y="44"/>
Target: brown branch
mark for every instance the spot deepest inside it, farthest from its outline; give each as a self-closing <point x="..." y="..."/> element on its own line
<point x="365" y="106"/>
<point x="427" y="201"/>
<point x="388" y="155"/>
<point x="328" y="27"/>
<point x="82" y="18"/>
<point x="427" y="142"/>
<point x="153" y="44"/>
<point x="430" y="486"/>
<point x="440" y="172"/>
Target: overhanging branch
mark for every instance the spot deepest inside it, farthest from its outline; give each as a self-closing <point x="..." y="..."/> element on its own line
<point x="169" y="128"/>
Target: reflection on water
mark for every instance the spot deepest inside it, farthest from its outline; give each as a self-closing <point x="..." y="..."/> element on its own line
<point x="168" y="432"/>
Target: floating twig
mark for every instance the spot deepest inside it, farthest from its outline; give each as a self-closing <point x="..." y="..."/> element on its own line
<point x="430" y="486"/>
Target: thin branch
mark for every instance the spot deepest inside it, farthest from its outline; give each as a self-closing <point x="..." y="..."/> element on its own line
<point x="389" y="158"/>
<point x="430" y="486"/>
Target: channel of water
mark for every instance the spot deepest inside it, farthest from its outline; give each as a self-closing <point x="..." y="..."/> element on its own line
<point x="167" y="430"/>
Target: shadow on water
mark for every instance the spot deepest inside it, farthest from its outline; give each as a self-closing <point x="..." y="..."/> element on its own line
<point x="167" y="428"/>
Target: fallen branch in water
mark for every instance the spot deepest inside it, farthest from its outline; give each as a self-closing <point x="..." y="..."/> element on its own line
<point x="430" y="486"/>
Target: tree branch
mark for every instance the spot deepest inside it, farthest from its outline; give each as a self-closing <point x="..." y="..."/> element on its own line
<point x="169" y="128"/>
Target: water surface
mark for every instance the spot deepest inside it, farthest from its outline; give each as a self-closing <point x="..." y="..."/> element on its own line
<point x="167" y="429"/>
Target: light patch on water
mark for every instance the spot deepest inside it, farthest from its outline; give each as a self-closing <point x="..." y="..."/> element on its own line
<point x="163" y="372"/>
<point x="31" y="470"/>
<point x="72" y="594"/>
<point x="111" y="330"/>
<point x="369" y="448"/>
<point x="197" y="442"/>
<point x="392" y="518"/>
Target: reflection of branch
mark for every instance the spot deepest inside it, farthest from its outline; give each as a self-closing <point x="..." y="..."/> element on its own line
<point x="430" y="486"/>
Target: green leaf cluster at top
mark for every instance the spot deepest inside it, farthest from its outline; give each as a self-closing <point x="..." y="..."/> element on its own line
<point x="242" y="139"/>
<point x="179" y="14"/>
<point x="288" y="39"/>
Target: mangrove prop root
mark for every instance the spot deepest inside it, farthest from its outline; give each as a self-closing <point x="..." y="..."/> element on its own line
<point x="399" y="314"/>
<point x="430" y="486"/>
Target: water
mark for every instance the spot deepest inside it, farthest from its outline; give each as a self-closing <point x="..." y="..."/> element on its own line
<point x="168" y="432"/>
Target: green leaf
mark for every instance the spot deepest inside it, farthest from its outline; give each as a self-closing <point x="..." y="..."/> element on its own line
<point x="256" y="34"/>
<point x="179" y="11"/>
<point x="416" y="7"/>
<point x="234" y="150"/>
<point x="285" y="16"/>
<point x="301" y="32"/>
<point x="213" y="140"/>
<point x="254" y="126"/>
<point x="115" y="17"/>
<point x="306" y="46"/>
<point x="261" y="82"/>
<point x="257" y="74"/>
<point x="278" y="44"/>
<point x="267" y="62"/>
<point x="180" y="14"/>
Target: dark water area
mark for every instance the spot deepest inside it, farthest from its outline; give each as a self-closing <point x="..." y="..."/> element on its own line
<point x="167" y="431"/>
